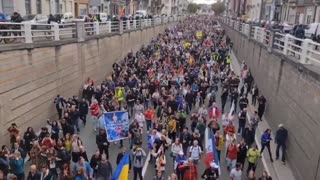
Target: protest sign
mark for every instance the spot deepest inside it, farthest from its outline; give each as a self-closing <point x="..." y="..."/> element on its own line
<point x="117" y="125"/>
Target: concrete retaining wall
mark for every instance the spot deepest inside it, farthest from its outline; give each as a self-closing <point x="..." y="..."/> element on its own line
<point x="292" y="91"/>
<point x="30" y="79"/>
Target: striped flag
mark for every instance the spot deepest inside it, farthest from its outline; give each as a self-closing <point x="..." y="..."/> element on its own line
<point x="212" y="153"/>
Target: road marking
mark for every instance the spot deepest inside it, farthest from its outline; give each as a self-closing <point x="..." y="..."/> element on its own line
<point x="146" y="164"/>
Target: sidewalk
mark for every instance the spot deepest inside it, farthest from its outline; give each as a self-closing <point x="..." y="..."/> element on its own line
<point x="277" y="170"/>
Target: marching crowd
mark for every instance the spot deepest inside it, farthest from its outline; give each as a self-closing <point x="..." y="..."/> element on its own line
<point x="169" y="89"/>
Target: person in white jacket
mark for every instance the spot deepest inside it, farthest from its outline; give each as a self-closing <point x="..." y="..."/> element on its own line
<point x="140" y="119"/>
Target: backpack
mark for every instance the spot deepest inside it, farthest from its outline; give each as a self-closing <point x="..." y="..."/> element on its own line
<point x="198" y="149"/>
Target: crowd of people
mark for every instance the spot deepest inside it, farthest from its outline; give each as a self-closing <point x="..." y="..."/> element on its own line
<point x="170" y="90"/>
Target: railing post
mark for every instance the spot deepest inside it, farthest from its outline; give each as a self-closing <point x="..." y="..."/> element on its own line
<point x="27" y="32"/>
<point x="263" y="36"/>
<point x="134" y="24"/>
<point x="271" y="40"/>
<point x="141" y="23"/>
<point x="304" y="51"/>
<point x="96" y="27"/>
<point x="109" y="26"/>
<point x="56" y="32"/>
<point x="80" y="31"/>
<point x="286" y="44"/>
<point x="250" y="28"/>
<point x="255" y="33"/>
<point x="121" y="26"/>
<point x="128" y="25"/>
<point x="154" y="21"/>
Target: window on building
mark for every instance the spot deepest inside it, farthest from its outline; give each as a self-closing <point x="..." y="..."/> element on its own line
<point x="38" y="3"/>
<point x="28" y="6"/>
<point x="57" y="6"/>
<point x="308" y="19"/>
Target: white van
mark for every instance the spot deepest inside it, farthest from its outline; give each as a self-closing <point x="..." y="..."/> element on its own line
<point x="67" y="18"/>
<point x="141" y="13"/>
<point x="313" y="30"/>
<point x="103" y="17"/>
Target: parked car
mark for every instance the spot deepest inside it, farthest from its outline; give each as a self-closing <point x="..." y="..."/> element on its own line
<point x="141" y="13"/>
<point x="67" y="18"/>
<point x="312" y="31"/>
<point x="35" y="19"/>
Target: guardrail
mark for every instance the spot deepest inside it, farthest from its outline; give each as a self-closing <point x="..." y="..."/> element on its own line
<point x="15" y="33"/>
<point x="305" y="51"/>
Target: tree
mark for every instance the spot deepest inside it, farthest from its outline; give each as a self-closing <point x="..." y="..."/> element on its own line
<point x="218" y="7"/>
<point x="192" y="8"/>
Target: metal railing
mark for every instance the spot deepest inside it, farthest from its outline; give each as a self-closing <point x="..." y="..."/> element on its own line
<point x="305" y="51"/>
<point x="15" y="33"/>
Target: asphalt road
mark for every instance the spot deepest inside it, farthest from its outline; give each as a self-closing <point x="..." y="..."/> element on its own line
<point x="88" y="136"/>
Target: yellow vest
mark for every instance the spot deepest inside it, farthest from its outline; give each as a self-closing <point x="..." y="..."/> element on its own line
<point x="119" y="95"/>
<point x="228" y="60"/>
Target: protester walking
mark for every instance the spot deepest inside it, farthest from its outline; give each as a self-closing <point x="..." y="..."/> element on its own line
<point x="280" y="140"/>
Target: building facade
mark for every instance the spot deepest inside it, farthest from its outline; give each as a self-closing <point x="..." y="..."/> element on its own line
<point x="182" y="6"/>
<point x="253" y="9"/>
<point x="45" y="7"/>
<point x="81" y="7"/>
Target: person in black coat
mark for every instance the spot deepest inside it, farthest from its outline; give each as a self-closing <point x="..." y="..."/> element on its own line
<point x="94" y="161"/>
<point x="29" y="136"/>
<point x="248" y="135"/>
<point x="83" y="111"/>
<point x="281" y="139"/>
<point x="120" y="156"/>
<point x="102" y="142"/>
<point x="242" y="154"/>
<point x="45" y="173"/>
<point x="33" y="174"/>
<point x="261" y="106"/>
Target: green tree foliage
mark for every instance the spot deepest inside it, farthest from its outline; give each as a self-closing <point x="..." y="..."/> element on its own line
<point x="192" y="8"/>
<point x="218" y="7"/>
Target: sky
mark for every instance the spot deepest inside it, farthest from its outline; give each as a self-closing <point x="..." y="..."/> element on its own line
<point x="204" y="1"/>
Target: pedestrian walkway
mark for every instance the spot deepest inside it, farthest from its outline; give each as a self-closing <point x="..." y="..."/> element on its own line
<point x="276" y="169"/>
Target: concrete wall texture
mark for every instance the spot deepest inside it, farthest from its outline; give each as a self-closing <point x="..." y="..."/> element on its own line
<point x="292" y="91"/>
<point x="31" y="79"/>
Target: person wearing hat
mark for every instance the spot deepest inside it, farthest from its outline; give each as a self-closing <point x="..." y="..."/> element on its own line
<point x="211" y="173"/>
<point x="280" y="140"/>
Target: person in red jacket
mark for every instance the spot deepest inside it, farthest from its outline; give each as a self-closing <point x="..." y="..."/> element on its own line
<point x="190" y="170"/>
<point x="232" y="155"/>
<point x="149" y="115"/>
<point x="230" y="129"/>
<point x="95" y="112"/>
<point x="214" y="112"/>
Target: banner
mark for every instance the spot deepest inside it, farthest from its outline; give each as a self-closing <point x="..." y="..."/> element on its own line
<point x="117" y="125"/>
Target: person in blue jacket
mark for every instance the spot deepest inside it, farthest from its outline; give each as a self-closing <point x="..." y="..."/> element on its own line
<point x="82" y="164"/>
<point x="17" y="165"/>
<point x="265" y="142"/>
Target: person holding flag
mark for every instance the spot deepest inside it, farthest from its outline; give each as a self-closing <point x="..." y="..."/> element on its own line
<point x="122" y="170"/>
